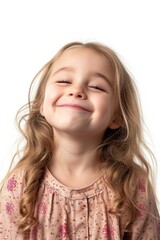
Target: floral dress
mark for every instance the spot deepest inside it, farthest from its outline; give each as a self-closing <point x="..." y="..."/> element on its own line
<point x="76" y="214"/>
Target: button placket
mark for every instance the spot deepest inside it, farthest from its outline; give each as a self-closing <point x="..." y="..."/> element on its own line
<point x="78" y="238"/>
<point x="1" y="227"/>
<point x="82" y="214"/>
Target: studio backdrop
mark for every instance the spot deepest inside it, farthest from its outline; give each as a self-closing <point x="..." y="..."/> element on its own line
<point x="33" y="31"/>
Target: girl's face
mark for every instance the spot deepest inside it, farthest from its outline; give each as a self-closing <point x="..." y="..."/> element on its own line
<point x="79" y="94"/>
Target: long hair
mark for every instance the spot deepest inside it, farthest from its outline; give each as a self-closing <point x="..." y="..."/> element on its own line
<point x="120" y="152"/>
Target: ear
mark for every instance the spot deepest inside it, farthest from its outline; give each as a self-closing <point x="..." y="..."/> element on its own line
<point x="115" y="123"/>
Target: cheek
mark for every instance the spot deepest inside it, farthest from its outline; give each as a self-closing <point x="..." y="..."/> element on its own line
<point x="106" y="112"/>
<point x="50" y="100"/>
<point x="46" y="103"/>
<point x="50" y="97"/>
<point x="106" y="104"/>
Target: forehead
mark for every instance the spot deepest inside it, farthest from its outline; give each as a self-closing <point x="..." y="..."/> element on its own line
<point x="83" y="58"/>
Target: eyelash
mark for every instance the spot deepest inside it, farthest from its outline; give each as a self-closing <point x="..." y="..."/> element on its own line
<point x="63" y="81"/>
<point x="97" y="88"/>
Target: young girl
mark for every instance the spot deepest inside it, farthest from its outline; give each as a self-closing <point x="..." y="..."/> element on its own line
<point x="82" y="172"/>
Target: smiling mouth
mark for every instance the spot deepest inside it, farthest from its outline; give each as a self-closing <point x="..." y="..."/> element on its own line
<point x="74" y="106"/>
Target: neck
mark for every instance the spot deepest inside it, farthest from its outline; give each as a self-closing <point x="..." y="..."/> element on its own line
<point x="74" y="155"/>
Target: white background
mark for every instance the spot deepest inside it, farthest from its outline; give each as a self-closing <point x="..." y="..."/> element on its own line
<point x="31" y="32"/>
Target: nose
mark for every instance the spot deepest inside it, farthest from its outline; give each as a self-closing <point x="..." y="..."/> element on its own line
<point x="77" y="92"/>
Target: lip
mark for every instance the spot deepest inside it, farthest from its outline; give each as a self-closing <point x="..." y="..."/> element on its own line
<point x="73" y="106"/>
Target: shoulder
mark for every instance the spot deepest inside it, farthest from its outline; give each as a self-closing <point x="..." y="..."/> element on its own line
<point x="10" y="197"/>
<point x="143" y="186"/>
<point x="145" y="196"/>
<point x="13" y="184"/>
<point x="146" y="223"/>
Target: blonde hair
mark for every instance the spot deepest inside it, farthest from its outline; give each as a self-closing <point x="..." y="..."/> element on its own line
<point x="120" y="153"/>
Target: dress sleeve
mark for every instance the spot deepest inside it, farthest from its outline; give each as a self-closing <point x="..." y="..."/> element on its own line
<point x="9" y="206"/>
<point x="147" y="223"/>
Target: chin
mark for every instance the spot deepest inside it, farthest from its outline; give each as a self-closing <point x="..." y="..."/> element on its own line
<point x="70" y="129"/>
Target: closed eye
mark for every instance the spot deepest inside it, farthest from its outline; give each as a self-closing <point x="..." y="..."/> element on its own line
<point x="63" y="81"/>
<point x="97" y="88"/>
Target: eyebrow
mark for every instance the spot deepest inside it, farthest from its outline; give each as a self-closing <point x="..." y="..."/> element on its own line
<point x="93" y="74"/>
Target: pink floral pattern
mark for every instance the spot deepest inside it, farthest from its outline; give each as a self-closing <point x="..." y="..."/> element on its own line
<point x="42" y="208"/>
<point x="63" y="230"/>
<point x="9" y="208"/>
<point x="108" y="231"/>
<point x="141" y="185"/>
<point x="142" y="209"/>
<point x="12" y="183"/>
<point x="33" y="232"/>
<point x="65" y="213"/>
<point x="158" y="228"/>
